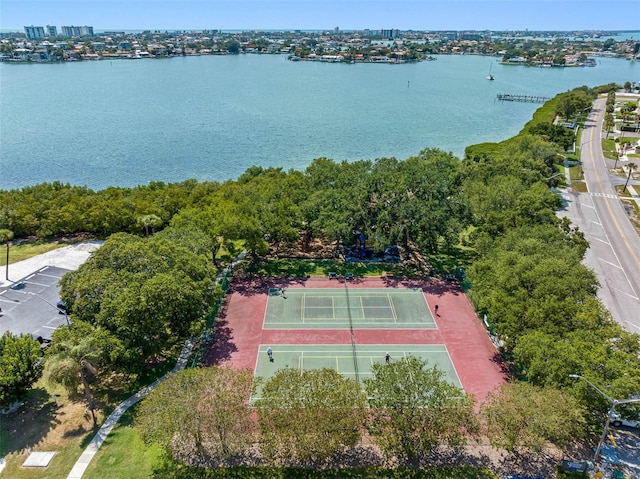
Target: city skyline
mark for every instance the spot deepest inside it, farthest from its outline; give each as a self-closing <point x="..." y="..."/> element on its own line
<point x="561" y="15"/>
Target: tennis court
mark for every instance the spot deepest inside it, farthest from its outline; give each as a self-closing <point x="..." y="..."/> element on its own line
<point x="339" y="308"/>
<point x="341" y="358"/>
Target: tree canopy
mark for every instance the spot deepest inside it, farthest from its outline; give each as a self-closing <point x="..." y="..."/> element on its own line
<point x="201" y="416"/>
<point x="307" y="416"/>
<point x="20" y="366"/>
<point x="519" y="417"/>
<point x="146" y="293"/>
<point x="413" y="409"/>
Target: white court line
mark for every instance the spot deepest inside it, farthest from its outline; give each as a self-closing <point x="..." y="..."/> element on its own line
<point x="455" y="370"/>
<point x="303" y="305"/>
<point x="595" y="223"/>
<point x="50" y="327"/>
<point x="393" y="309"/>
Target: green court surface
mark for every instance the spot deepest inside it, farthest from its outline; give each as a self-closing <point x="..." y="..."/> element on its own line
<point x="342" y="308"/>
<point x="340" y="357"/>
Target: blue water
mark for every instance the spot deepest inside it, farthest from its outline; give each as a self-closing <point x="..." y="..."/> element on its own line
<point x="129" y="122"/>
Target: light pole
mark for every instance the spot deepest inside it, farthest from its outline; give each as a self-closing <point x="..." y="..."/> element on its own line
<point x="610" y="412"/>
<point x="60" y="310"/>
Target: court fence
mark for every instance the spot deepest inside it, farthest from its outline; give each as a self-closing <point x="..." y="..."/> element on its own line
<point x="221" y="288"/>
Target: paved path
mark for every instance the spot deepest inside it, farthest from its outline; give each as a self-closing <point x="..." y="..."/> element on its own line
<point x="83" y="462"/>
<point x="68" y="257"/>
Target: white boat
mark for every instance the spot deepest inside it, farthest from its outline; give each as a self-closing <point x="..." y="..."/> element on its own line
<point x="490" y="76"/>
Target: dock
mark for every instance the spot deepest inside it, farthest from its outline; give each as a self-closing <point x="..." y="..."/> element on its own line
<point x="522" y="98"/>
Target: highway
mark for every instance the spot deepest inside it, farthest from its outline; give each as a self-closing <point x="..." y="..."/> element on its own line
<point x="614" y="252"/>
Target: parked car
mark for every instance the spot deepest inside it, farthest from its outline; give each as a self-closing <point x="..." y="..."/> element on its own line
<point x="619" y="421"/>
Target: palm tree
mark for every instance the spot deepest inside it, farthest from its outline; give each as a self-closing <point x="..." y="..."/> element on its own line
<point x="70" y="359"/>
<point x="150" y="221"/>
<point x="5" y="237"/>
<point x="632" y="167"/>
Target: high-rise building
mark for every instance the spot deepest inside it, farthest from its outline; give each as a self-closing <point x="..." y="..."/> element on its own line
<point x="86" y="31"/>
<point x="72" y="31"/>
<point x="52" y="31"/>
<point x="33" y="32"/>
<point x="390" y="34"/>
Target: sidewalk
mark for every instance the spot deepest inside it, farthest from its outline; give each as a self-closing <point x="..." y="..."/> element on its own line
<point x="68" y="257"/>
<point x="83" y="462"/>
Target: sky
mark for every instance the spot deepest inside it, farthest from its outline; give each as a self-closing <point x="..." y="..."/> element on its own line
<point x="324" y="14"/>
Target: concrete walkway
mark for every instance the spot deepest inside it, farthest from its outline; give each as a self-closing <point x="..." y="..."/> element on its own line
<point x="68" y="257"/>
<point x="83" y="462"/>
<point x="634" y="194"/>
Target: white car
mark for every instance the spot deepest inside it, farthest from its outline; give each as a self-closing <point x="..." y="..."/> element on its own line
<point x="618" y="421"/>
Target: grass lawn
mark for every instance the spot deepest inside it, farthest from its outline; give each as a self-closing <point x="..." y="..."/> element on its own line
<point x="41" y="426"/>
<point x="124" y="452"/>
<point x="301" y="268"/>
<point x="609" y="145"/>
<point x="26" y="251"/>
<point x="579" y="186"/>
<point x="575" y="173"/>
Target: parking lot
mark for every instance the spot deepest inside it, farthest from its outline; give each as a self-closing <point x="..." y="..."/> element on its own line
<point x="29" y="305"/>
<point x="623" y="449"/>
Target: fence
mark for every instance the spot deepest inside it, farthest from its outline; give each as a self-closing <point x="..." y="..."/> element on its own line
<point x="205" y="338"/>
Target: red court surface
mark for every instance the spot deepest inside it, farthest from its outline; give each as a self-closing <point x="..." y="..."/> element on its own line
<point x="238" y="332"/>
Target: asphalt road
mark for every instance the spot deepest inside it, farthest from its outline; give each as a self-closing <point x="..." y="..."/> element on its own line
<point x="614" y="252"/>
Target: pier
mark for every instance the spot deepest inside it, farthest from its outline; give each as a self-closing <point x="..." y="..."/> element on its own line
<point x="523" y="98"/>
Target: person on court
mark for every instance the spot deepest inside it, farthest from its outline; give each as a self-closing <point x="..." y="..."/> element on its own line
<point x="270" y="353"/>
<point x="436" y="310"/>
<point x="387" y="358"/>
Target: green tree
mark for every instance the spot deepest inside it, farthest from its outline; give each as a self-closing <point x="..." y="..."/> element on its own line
<point x="232" y="46"/>
<point x="519" y="417"/>
<point x="201" y="415"/>
<point x="413" y="409"/>
<point x="532" y="279"/>
<point x="19" y="366"/>
<point x="608" y="123"/>
<point x="74" y="355"/>
<point x="307" y="416"/>
<point x="572" y="103"/>
<point x="148" y="293"/>
<point x="149" y="222"/>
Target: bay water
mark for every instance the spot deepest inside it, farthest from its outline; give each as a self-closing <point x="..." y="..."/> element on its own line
<point x="128" y="122"/>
